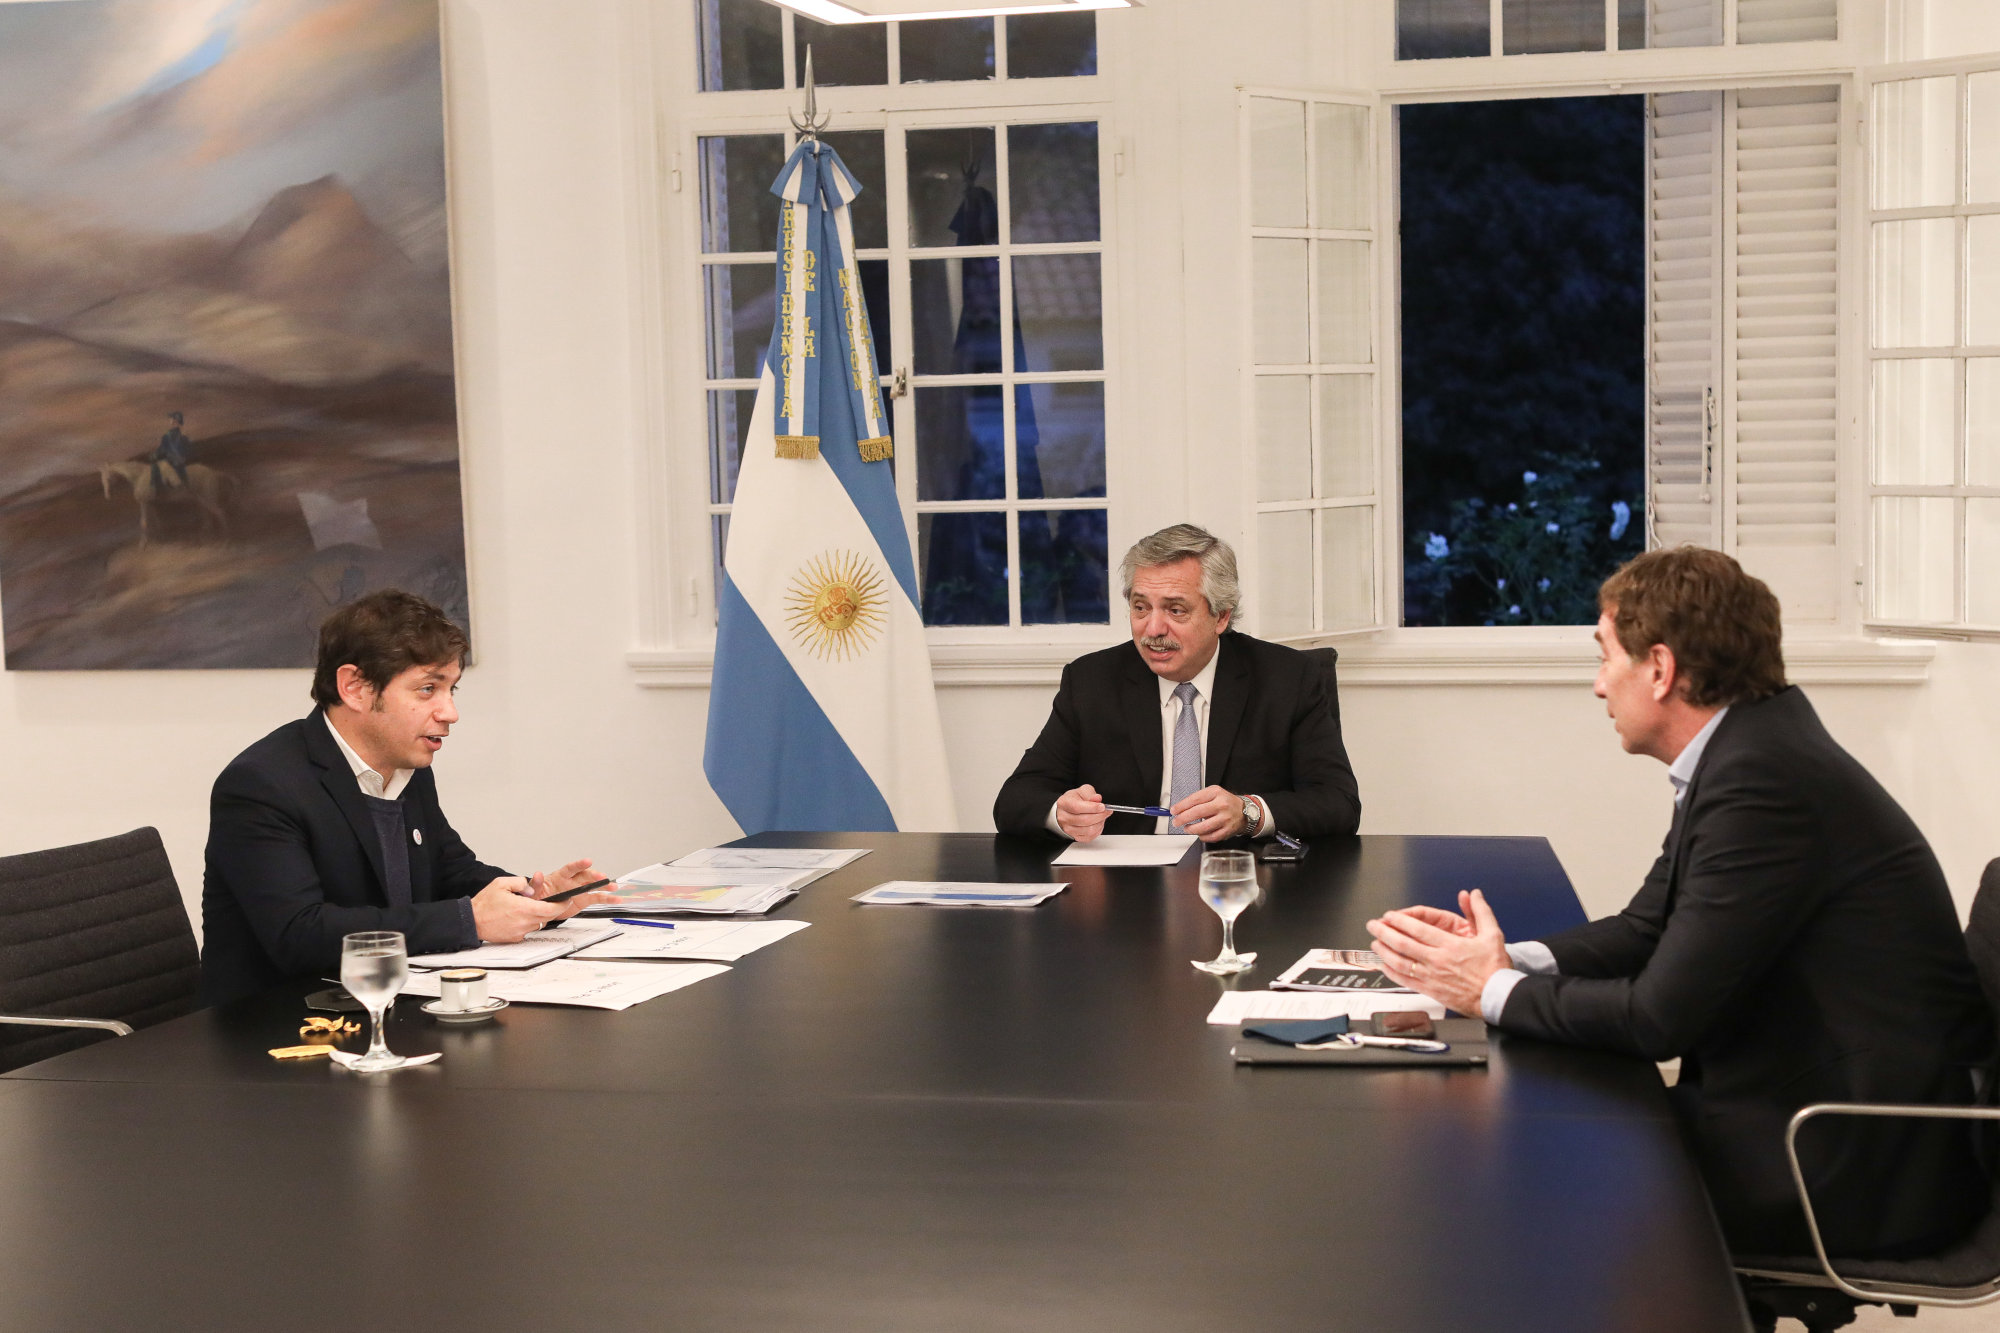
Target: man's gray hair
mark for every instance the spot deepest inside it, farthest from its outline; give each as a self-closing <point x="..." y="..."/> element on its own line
<point x="1185" y="541"/>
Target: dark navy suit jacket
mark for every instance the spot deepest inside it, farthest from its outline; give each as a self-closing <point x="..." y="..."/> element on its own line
<point x="294" y="863"/>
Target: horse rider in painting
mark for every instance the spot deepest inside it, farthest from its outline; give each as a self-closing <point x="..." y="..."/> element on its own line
<point x="173" y="451"/>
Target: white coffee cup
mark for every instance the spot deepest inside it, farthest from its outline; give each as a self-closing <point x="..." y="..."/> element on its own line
<point x="462" y="988"/>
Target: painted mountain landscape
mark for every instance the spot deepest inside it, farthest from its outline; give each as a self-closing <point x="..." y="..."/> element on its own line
<point x="227" y="401"/>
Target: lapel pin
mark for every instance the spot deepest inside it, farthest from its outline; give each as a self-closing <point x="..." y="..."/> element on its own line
<point x="417" y="836"/>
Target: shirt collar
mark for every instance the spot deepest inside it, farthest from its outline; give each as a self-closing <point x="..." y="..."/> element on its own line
<point x="371" y="782"/>
<point x="1203" y="682"/>
<point x="1681" y="771"/>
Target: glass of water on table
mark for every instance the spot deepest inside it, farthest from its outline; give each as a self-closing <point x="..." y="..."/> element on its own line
<point x="373" y="966"/>
<point x="1228" y="885"/>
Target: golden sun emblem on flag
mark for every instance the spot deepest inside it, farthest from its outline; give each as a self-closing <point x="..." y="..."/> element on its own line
<point x="835" y="606"/>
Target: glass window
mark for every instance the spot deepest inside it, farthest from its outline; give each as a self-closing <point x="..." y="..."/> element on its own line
<point x="950" y="174"/>
<point x="1529" y="27"/>
<point x="1065" y="567"/>
<point x="1051" y="46"/>
<point x="1631" y="25"/>
<point x="739" y="212"/>
<point x="946" y="50"/>
<point x="1059" y="434"/>
<point x="740" y="44"/>
<point x="1439" y="29"/>
<point x="861" y="150"/>
<point x="964" y="562"/>
<point x="843" y="54"/>
<point x="1053" y="173"/>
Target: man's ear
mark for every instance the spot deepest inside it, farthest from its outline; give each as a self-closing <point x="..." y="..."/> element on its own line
<point x="1666" y="672"/>
<point x="1222" y="621"/>
<point x="355" y="691"/>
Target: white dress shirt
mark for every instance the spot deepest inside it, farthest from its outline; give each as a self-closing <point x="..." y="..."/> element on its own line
<point x="1534" y="956"/>
<point x="371" y="782"/>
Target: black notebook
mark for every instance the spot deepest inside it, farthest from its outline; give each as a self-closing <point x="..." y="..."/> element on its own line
<point x="1467" y="1038"/>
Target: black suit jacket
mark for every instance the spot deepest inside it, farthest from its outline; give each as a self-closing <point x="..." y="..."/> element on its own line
<point x="1273" y="731"/>
<point x="294" y="863"/>
<point x="1794" y="943"/>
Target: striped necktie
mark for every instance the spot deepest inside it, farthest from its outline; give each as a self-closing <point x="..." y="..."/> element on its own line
<point x="1187" y="752"/>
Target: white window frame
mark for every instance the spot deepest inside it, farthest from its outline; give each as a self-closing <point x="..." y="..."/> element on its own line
<point x="1496" y="44"/>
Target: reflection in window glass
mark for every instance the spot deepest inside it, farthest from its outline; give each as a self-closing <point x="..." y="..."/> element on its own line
<point x="964" y="559"/>
<point x="1439" y="29"/>
<point x="1051" y="46"/>
<point x="961" y="443"/>
<point x="951" y="188"/>
<point x="741" y="306"/>
<point x="1059" y="440"/>
<point x="1064" y="568"/>
<point x="843" y="54"/>
<point x="738" y="210"/>
<point x="1631" y="25"/>
<point x="1529" y="27"/>
<point x="946" y="50"/>
<point x="728" y="423"/>
<point x="739" y="44"/>
<point x="1052" y="176"/>
<point x="955" y="316"/>
<point x="861" y="150"/>
<point x="1058" y="312"/>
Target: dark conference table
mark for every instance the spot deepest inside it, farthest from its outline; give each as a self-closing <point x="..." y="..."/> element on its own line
<point x="900" y="1118"/>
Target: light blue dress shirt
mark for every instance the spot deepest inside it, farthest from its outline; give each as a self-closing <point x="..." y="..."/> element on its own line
<point x="1532" y="956"/>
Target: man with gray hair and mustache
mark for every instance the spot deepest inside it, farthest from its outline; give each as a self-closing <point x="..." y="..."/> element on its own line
<point x="1234" y="736"/>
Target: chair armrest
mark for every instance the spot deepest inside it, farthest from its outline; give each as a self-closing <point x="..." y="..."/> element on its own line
<point x="103" y="1024"/>
<point x="1888" y="1110"/>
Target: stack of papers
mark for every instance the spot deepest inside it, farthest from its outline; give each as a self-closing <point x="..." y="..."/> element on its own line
<point x="541" y="947"/>
<point x="1256" y="1006"/>
<point x="939" y="894"/>
<point x="1338" y="969"/>
<point x="1128" y="849"/>
<point x="591" y="985"/>
<point x="723" y="881"/>
<point x="712" y="941"/>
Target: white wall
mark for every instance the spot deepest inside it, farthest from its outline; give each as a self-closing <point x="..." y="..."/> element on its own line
<point x="562" y="752"/>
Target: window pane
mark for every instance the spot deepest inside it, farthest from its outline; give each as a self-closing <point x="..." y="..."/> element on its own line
<point x="1277" y="301"/>
<point x="1759" y="21"/>
<point x="1059" y="440"/>
<point x="1528" y="27"/>
<point x="952" y="200"/>
<point x="1436" y="29"/>
<point x="1284" y="549"/>
<point x="1915" y="143"/>
<point x="947" y="50"/>
<point x="1982" y="421"/>
<point x="1982" y="561"/>
<point x="875" y="294"/>
<point x="738" y="210"/>
<point x="1631" y="25"/>
<point x="1052" y="182"/>
<point x="1685" y="23"/>
<point x="1347" y="575"/>
<point x="1343" y="302"/>
<point x="1982" y="184"/>
<point x="861" y="150"/>
<point x="1914" y="276"/>
<point x="740" y="44"/>
<point x="1982" y="279"/>
<point x="1340" y="171"/>
<point x="1065" y="579"/>
<point x="1913" y="558"/>
<point x="843" y="54"/>
<point x="1277" y="163"/>
<point x="965" y="568"/>
<point x="718" y="534"/>
<point x="1284" y="437"/>
<point x="1346" y="435"/>
<point x="741" y="306"/>
<point x="1914" y="423"/>
<point x="1051" y="46"/>
<point x="728" y="422"/>
<point x="955" y="316"/>
<point x="1058" y="312"/>
<point x="961" y="443"/>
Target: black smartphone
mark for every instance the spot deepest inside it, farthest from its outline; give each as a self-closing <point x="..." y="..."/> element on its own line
<point x="1281" y="850"/>
<point x="1402" y="1023"/>
<point x="568" y="894"/>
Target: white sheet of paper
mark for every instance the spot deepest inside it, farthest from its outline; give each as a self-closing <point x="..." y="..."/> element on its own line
<point x="715" y="891"/>
<point x="714" y="941"/>
<point x="1258" y="1006"/>
<point x="772" y="858"/>
<point x="943" y="894"/>
<point x="591" y="985"/>
<point x="1128" y="849"/>
<point x="541" y="947"/>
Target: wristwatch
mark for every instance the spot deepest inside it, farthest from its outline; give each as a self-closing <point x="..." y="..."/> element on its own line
<point x="1253" y="814"/>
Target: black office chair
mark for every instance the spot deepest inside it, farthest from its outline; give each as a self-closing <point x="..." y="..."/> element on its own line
<point x="92" y="936"/>
<point x="1327" y="658"/>
<point x="1968" y="1273"/>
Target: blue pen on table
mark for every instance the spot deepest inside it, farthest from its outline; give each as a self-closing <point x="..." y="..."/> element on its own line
<point x="634" y="921"/>
<point x="1157" y="812"/>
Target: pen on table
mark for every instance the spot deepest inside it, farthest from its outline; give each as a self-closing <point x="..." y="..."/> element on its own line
<point x="634" y="921"/>
<point x="1157" y="812"/>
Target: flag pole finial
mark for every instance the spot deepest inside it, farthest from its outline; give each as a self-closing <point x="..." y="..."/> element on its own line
<point x="813" y="122"/>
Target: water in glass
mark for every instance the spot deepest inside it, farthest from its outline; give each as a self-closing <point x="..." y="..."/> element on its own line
<point x="1228" y="885"/>
<point x="373" y="966"/>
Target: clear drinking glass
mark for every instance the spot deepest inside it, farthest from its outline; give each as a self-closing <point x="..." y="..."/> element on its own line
<point x="1228" y="885"/>
<point x="373" y="966"/>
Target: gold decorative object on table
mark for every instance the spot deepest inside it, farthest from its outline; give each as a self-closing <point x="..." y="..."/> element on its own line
<point x="326" y="1030"/>
<point x="300" y="1052"/>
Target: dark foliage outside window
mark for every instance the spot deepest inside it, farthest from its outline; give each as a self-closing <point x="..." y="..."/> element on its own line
<point x="1523" y="271"/>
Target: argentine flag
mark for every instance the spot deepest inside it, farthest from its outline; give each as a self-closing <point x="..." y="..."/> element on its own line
<point x="822" y="714"/>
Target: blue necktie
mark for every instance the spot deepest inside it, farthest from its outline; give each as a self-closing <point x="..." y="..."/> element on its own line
<point x="1187" y="752"/>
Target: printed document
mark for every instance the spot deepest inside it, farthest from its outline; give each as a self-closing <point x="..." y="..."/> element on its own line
<point x="711" y="891"/>
<point x="772" y="858"/>
<point x="1257" y="1006"/>
<point x="1128" y="849"/>
<point x="1338" y="969"/>
<point x="541" y="947"/>
<point x="713" y="941"/>
<point x="590" y="985"/>
<point x="939" y="894"/>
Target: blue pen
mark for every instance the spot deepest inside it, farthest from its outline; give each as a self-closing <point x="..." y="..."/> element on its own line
<point x="1155" y="811"/>
<point x="632" y="921"/>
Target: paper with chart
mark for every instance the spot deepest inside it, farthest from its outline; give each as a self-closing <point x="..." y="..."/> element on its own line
<point x="574" y="981"/>
<point x="712" y="941"/>
<point x="1256" y="1006"/>
<point x="940" y="894"/>
<point x="1128" y="849"/>
<point x="1338" y="970"/>
<point x="661" y="888"/>
<point x="541" y="947"/>
<point x="772" y="858"/>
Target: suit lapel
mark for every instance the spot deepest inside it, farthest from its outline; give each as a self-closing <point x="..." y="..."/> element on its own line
<point x="1142" y="719"/>
<point x="338" y="779"/>
<point x="1225" y="710"/>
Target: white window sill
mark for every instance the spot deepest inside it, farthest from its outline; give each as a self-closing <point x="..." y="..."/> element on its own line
<point x="1500" y="656"/>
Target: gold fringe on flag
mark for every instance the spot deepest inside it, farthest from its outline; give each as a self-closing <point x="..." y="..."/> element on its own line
<point x="798" y="446"/>
<point x="877" y="449"/>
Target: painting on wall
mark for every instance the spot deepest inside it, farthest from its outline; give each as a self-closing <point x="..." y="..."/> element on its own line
<point x="227" y="399"/>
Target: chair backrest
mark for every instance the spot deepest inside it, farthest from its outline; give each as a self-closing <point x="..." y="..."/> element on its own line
<point x="97" y="930"/>
<point x="1982" y="933"/>
<point x="1326" y="659"/>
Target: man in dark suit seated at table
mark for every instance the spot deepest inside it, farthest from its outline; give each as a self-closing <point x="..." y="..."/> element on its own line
<point x="1794" y="942"/>
<point x="331" y="825"/>
<point x="1237" y="737"/>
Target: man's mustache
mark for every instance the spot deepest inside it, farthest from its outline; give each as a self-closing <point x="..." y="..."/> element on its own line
<point x="1159" y="643"/>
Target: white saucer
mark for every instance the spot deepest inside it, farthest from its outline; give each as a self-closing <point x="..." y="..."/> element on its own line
<point x="480" y="1015"/>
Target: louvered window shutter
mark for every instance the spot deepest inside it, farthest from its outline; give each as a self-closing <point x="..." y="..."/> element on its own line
<point x="1759" y="21"/>
<point x="1683" y="316"/>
